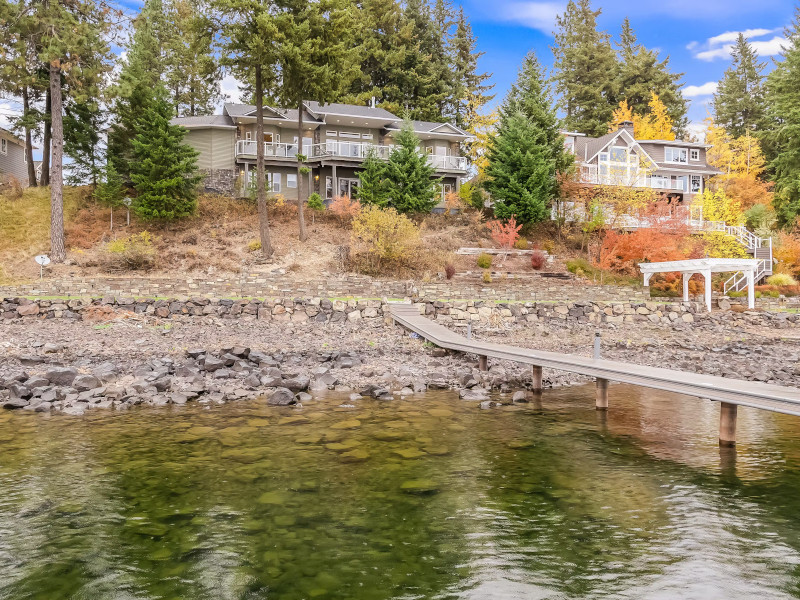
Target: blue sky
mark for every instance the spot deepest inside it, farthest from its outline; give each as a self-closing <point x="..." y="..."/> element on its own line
<point x="696" y="34"/>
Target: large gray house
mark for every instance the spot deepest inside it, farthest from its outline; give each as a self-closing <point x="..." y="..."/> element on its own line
<point x="677" y="169"/>
<point x="13" y="158"/>
<point x="336" y="139"/>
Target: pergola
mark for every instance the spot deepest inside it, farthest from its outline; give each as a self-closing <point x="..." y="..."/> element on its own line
<point x="705" y="267"/>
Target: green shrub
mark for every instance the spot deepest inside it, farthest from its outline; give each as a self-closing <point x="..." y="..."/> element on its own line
<point x="133" y="253"/>
<point x="487" y="277"/>
<point x="383" y="241"/>
<point x="737" y="294"/>
<point x="521" y="244"/>
<point x="484" y="260"/>
<point x="315" y="202"/>
<point x="253" y="245"/>
<point x="780" y="279"/>
<point x="579" y="264"/>
<point x="549" y="246"/>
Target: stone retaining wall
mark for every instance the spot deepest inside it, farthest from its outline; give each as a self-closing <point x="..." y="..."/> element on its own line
<point x="325" y="310"/>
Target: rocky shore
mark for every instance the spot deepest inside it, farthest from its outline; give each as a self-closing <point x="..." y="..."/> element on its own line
<point x="111" y="355"/>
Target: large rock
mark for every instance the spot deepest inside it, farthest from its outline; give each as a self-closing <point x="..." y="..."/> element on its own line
<point x="62" y="375"/>
<point x="83" y="382"/>
<point x="297" y="384"/>
<point x="212" y="363"/>
<point x="281" y="397"/>
<point x="473" y="394"/>
<point x="27" y="310"/>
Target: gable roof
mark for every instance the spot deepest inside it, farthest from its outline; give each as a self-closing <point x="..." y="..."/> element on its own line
<point x="351" y="110"/>
<point x="593" y="146"/>
<point x="9" y="135"/>
<point x="204" y="121"/>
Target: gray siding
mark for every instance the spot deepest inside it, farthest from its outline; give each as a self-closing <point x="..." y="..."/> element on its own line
<point x="216" y="147"/>
<point x="13" y="161"/>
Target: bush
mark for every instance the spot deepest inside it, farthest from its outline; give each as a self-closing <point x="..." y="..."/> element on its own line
<point x="737" y="294"/>
<point x="549" y="246"/>
<point x="315" y="202"/>
<point x="579" y="266"/>
<point x="487" y="277"/>
<point x="521" y="244"/>
<point x="449" y="270"/>
<point x="538" y="259"/>
<point x="10" y="187"/>
<point x="133" y="253"/>
<point x="345" y="208"/>
<point x="484" y="260"/>
<point x="383" y="241"/>
<point x="254" y="246"/>
<point x="780" y="279"/>
<point x="505" y="234"/>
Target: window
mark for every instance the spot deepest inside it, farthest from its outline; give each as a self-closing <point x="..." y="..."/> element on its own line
<point x="274" y="182"/>
<point x="676" y="155"/>
<point x="331" y="133"/>
<point x="248" y="135"/>
<point x="25" y="155"/>
<point x="618" y="154"/>
<point x="350" y="134"/>
<point x="4" y="146"/>
<point x="329" y="188"/>
<point x="268" y="138"/>
<point x="366" y="136"/>
<point x="291" y="180"/>
<point x="428" y="149"/>
<point x="694" y="154"/>
<point x="697" y="184"/>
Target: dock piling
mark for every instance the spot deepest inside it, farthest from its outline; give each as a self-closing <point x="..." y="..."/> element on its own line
<point x="601" y="398"/>
<point x="536" y="378"/>
<point x="483" y="363"/>
<point x="727" y="424"/>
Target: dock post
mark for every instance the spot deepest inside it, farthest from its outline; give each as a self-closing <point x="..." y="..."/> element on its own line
<point x="601" y="399"/>
<point x="536" y="378"/>
<point x="727" y="424"/>
<point x="483" y="363"/>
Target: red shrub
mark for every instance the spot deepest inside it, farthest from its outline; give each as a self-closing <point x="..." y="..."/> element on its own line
<point x="449" y="270"/>
<point x="505" y="234"/>
<point x="537" y="260"/>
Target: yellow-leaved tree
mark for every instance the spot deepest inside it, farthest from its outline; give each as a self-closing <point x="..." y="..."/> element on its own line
<point x="718" y="206"/>
<point x="482" y="130"/>
<point x="655" y="125"/>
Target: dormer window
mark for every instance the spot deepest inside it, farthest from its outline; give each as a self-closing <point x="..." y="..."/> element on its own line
<point x="694" y="154"/>
<point x="676" y="155"/>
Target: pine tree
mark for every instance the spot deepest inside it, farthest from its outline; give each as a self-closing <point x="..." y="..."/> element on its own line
<point x="373" y="187"/>
<point x="783" y="136"/>
<point x="248" y="27"/>
<point x="139" y="76"/>
<point x="409" y="175"/>
<point x="193" y="72"/>
<point x="72" y="44"/>
<point x="83" y="126"/>
<point x="316" y="60"/>
<point x="470" y="91"/>
<point x="528" y="151"/>
<point x="739" y="104"/>
<point x="585" y="70"/>
<point x="164" y="169"/>
<point x="641" y="74"/>
<point x="111" y="190"/>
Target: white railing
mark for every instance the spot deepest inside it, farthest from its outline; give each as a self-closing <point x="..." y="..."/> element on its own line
<point x="591" y="176"/>
<point x="276" y="149"/>
<point x="360" y="150"/>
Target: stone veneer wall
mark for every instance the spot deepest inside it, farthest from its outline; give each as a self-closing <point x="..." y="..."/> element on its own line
<point x="354" y="311"/>
<point x="219" y="181"/>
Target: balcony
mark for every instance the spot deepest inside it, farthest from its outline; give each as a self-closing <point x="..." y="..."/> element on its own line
<point x="348" y="150"/>
<point x="247" y="149"/>
<point x="632" y="179"/>
<point x="448" y="163"/>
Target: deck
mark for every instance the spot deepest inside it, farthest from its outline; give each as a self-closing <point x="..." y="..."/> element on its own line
<point x="730" y="392"/>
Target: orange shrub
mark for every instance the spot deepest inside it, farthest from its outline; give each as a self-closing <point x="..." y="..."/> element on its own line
<point x="505" y="234"/>
<point x="787" y="251"/>
<point x="345" y="208"/>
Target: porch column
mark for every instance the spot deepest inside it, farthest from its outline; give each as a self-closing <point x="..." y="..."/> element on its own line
<point x="334" y="182"/>
<point x="751" y="289"/>
<point x="647" y="277"/>
<point x="707" y="276"/>
<point x="686" y="277"/>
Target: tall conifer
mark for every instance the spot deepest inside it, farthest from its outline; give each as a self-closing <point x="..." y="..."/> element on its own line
<point x="739" y="104"/>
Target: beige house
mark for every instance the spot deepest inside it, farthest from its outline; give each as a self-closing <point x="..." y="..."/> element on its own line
<point x="677" y="169"/>
<point x="336" y="139"/>
<point x="13" y="158"/>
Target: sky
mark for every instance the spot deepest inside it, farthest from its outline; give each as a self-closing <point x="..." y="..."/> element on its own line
<point x="695" y="34"/>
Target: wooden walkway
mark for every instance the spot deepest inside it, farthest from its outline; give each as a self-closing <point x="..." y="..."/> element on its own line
<point x="729" y="392"/>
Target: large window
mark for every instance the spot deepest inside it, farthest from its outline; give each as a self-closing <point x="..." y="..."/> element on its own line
<point x="618" y="154"/>
<point x="676" y="155"/>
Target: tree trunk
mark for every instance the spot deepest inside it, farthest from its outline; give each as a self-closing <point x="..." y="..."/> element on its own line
<point x="45" y="176"/>
<point x="263" y="216"/>
<point x="301" y="220"/>
<point x="57" y="249"/>
<point x="28" y="139"/>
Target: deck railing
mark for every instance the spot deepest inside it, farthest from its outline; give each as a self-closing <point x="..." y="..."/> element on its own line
<point x="271" y="149"/>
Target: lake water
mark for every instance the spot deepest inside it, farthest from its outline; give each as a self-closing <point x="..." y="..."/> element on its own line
<point x="428" y="497"/>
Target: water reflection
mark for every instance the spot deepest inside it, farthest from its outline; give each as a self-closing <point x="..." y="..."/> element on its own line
<point x="423" y="498"/>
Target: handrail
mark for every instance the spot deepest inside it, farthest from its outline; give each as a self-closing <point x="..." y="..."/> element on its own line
<point x="271" y="149"/>
<point x="360" y="150"/>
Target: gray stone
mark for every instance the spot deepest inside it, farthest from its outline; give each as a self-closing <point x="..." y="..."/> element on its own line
<point x="85" y="382"/>
<point x="473" y="394"/>
<point x="281" y="397"/>
<point x="304" y="397"/>
<point x="62" y="375"/>
<point x="212" y="363"/>
<point x="297" y="384"/>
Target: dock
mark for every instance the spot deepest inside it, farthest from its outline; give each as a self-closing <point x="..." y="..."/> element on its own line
<point x="730" y="393"/>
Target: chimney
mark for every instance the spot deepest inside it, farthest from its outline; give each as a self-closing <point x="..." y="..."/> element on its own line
<point x="627" y="126"/>
<point x="372" y="102"/>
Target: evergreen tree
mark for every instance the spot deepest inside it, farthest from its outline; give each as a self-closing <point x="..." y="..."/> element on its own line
<point x="585" y="70"/>
<point x="140" y="74"/>
<point x="193" y="72"/>
<point x="316" y="60"/>
<point x="164" y="169"/>
<point x="373" y="187"/>
<point x="641" y="74"/>
<point x="248" y="27"/>
<point x="111" y="190"/>
<point x="409" y="175"/>
<point x="528" y="151"/>
<point x="470" y="91"/>
<point x="783" y="136"/>
<point x="83" y="125"/>
<point x="739" y="104"/>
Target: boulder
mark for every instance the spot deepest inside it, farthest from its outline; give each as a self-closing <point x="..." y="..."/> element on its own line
<point x="212" y="363"/>
<point x="281" y="397"/>
<point x="61" y="375"/>
<point x="27" y="310"/>
<point x="472" y="394"/>
<point x="84" y="382"/>
<point x="297" y="384"/>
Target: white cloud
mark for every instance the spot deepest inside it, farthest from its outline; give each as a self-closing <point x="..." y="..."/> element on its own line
<point x="697" y="131"/>
<point x="230" y="89"/>
<point x="720" y="46"/>
<point x="536" y="15"/>
<point x="707" y="89"/>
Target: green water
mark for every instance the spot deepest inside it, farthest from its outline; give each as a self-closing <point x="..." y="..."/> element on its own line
<point x="428" y="497"/>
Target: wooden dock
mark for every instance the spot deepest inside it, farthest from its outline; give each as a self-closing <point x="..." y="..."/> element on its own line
<point x="731" y="393"/>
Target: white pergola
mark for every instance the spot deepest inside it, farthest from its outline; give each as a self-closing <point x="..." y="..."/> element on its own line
<point x="705" y="267"/>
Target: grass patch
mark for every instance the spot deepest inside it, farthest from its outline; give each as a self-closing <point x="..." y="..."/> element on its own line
<point x="583" y="268"/>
